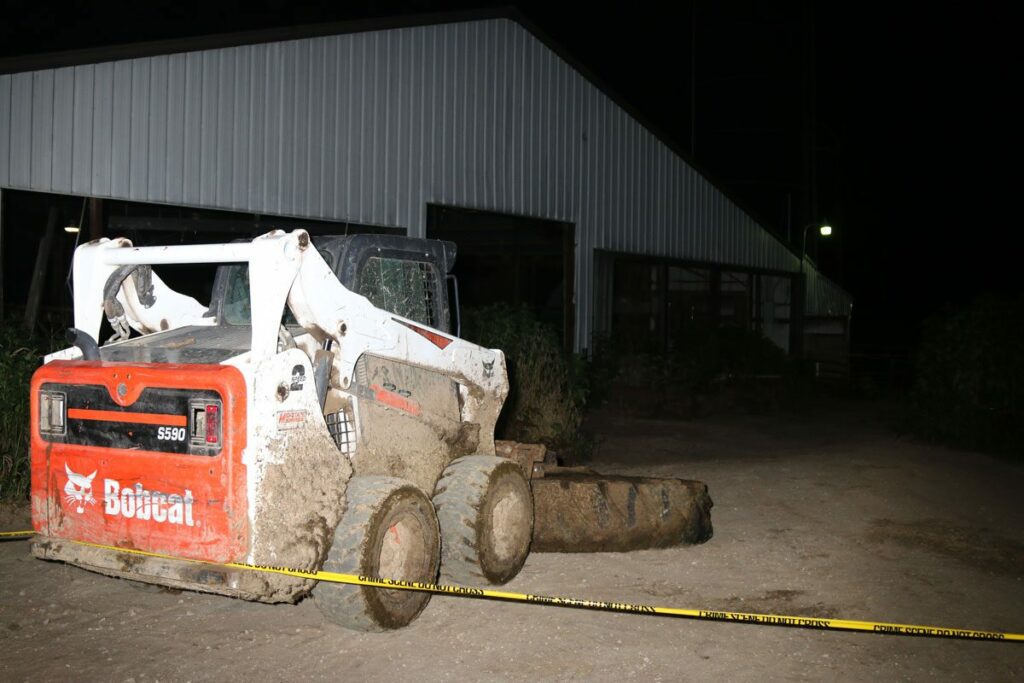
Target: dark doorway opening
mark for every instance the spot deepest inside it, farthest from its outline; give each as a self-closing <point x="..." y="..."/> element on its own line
<point x="513" y="260"/>
<point x="24" y="218"/>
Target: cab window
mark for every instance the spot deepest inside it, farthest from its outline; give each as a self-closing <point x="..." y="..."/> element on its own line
<point x="236" y="308"/>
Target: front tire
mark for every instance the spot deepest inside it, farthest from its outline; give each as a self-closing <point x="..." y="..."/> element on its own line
<point x="485" y="509"/>
<point x="389" y="531"/>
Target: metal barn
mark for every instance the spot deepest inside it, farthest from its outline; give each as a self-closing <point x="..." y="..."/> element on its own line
<point x="444" y="129"/>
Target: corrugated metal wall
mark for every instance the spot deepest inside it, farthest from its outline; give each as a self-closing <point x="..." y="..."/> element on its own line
<point x="370" y="128"/>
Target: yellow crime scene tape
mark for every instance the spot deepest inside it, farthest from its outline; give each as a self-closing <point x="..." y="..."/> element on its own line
<point x="487" y="593"/>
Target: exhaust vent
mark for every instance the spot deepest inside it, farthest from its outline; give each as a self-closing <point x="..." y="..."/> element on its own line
<point x="343" y="430"/>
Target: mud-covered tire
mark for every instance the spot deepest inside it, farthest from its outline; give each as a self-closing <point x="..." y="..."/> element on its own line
<point x="389" y="530"/>
<point x="485" y="508"/>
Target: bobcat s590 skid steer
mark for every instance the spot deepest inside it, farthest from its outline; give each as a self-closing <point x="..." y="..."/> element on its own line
<point x="317" y="414"/>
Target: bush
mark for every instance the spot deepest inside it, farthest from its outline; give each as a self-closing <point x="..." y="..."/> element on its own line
<point x="547" y="387"/>
<point x="969" y="377"/>
<point x="603" y="368"/>
<point x="19" y="357"/>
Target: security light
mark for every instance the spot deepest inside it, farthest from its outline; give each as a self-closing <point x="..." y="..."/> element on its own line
<point x="824" y="230"/>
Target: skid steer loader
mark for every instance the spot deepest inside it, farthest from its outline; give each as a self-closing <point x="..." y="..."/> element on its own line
<point x="319" y="413"/>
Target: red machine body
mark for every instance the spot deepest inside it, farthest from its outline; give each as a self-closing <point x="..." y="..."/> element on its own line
<point x="143" y="456"/>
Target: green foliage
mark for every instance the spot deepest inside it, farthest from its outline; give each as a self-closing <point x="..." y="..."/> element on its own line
<point x="969" y="377"/>
<point x="548" y="388"/>
<point x="19" y="357"/>
<point x="603" y="368"/>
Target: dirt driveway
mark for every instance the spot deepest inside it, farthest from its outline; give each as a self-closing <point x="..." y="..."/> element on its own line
<point x="830" y="514"/>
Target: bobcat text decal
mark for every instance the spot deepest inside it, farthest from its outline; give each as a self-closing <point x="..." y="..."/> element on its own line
<point x="139" y="503"/>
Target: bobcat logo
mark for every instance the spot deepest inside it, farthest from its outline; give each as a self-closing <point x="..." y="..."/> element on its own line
<point x="488" y="368"/>
<point x="78" y="490"/>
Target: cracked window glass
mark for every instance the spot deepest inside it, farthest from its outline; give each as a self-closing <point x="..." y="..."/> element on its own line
<point x="405" y="288"/>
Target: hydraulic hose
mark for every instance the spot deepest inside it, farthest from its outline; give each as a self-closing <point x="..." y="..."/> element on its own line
<point x="85" y="343"/>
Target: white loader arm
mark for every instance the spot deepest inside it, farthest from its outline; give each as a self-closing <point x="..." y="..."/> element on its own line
<point x="327" y="309"/>
<point x="282" y="268"/>
<point x="273" y="259"/>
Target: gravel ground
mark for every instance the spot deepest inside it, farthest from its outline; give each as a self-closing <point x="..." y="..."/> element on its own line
<point x="829" y="514"/>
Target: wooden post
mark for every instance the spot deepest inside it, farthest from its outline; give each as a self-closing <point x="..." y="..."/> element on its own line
<point x="35" y="291"/>
<point x="568" y="285"/>
<point x="95" y="219"/>
<point x="2" y="312"/>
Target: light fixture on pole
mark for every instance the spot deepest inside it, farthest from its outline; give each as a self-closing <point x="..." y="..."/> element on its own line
<point x="824" y="229"/>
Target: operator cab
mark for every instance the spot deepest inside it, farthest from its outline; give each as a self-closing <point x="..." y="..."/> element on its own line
<point x="402" y="275"/>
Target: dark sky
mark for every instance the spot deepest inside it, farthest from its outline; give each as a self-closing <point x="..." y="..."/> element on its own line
<point x="914" y="152"/>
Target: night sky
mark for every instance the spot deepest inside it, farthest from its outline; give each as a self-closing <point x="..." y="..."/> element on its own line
<point x="915" y="155"/>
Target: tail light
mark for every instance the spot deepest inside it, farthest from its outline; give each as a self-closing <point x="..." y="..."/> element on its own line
<point x="205" y="423"/>
<point x="212" y="424"/>
<point x="53" y="412"/>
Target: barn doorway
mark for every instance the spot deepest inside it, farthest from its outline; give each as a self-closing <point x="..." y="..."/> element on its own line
<point x="512" y="259"/>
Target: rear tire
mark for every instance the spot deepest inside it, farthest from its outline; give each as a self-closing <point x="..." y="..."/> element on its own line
<point x="485" y="509"/>
<point x="389" y="531"/>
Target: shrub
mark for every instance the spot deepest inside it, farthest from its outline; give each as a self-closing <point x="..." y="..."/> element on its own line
<point x="19" y="357"/>
<point x="603" y="368"/>
<point x="547" y="387"/>
<point x="969" y="377"/>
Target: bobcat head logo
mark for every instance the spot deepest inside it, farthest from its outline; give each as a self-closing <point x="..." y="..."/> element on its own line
<point x="488" y="368"/>
<point x="78" y="490"/>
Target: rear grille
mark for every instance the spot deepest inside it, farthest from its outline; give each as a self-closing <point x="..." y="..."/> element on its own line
<point x="159" y="420"/>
